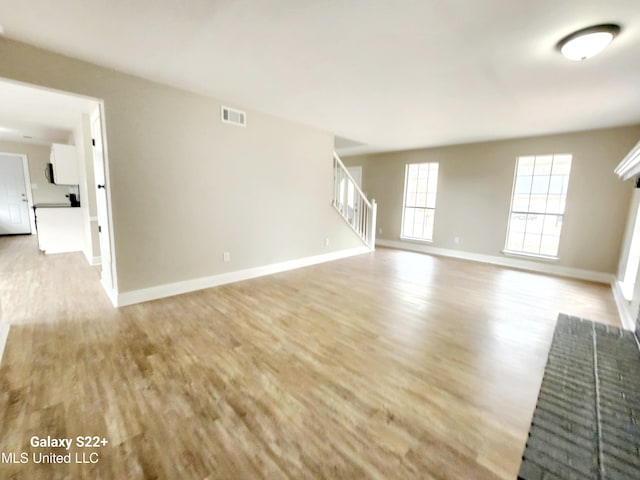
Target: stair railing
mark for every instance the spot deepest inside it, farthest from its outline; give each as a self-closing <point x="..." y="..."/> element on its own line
<point x="352" y="204"/>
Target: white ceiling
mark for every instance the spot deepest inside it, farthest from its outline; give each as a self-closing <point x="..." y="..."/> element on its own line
<point x="40" y="116"/>
<point x="382" y="75"/>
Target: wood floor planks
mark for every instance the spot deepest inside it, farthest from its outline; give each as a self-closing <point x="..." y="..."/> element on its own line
<point x="386" y="365"/>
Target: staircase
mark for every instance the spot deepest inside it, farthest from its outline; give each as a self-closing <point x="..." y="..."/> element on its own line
<point x="353" y="205"/>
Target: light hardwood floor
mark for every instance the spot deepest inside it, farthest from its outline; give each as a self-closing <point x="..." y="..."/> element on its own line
<point x="386" y="365"/>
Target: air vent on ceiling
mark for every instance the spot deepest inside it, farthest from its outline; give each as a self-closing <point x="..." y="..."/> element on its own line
<point x="233" y="116"/>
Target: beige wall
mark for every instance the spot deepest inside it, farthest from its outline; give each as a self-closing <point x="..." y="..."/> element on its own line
<point x="474" y="193"/>
<point x="38" y="158"/>
<point x="185" y="187"/>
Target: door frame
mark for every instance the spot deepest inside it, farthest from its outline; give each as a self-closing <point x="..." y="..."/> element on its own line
<point x="111" y="290"/>
<point x="27" y="187"/>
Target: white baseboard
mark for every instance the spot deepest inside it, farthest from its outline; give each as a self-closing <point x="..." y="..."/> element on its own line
<point x="4" y="334"/>
<point x="168" y="290"/>
<point x="93" y="261"/>
<point x="626" y="315"/>
<point x="111" y="293"/>
<point x="540" y="267"/>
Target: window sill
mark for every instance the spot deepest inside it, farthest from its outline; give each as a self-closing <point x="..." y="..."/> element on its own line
<point x="548" y="258"/>
<point x="417" y="240"/>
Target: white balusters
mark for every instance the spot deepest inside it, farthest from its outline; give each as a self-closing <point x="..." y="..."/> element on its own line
<point x="352" y="204"/>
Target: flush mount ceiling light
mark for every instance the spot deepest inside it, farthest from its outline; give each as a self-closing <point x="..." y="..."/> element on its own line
<point x="588" y="42"/>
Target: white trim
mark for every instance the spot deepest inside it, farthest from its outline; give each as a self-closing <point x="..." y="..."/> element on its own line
<point x="92" y="260"/>
<point x="170" y="289"/>
<point x="593" y="276"/>
<point x="630" y="164"/>
<point x="626" y="316"/>
<point x="113" y="288"/>
<point x="111" y="293"/>
<point x="626" y="289"/>
<point x="537" y="256"/>
<point x="27" y="181"/>
<point x="418" y="240"/>
<point x="4" y="334"/>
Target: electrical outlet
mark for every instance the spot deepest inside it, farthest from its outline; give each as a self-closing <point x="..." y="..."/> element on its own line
<point x="226" y="256"/>
<point x="380" y="230"/>
<point x="34" y="186"/>
<point x="456" y="240"/>
<point x="326" y="242"/>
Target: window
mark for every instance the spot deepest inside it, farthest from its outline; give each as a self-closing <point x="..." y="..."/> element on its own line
<point x="537" y="204"/>
<point x="420" y="186"/>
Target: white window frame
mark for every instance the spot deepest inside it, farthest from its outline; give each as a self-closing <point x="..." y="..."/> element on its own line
<point x="543" y="213"/>
<point x="415" y="206"/>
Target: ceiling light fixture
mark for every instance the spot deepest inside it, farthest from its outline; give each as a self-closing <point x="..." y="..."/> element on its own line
<point x="588" y="42"/>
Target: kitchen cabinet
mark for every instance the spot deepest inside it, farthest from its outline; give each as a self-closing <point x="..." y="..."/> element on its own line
<point x="64" y="161"/>
<point x="60" y="229"/>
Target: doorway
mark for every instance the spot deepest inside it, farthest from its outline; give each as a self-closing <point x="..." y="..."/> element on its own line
<point x="33" y="119"/>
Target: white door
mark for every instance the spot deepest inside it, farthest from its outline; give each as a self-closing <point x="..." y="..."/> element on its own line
<point x="14" y="206"/>
<point x="101" y="199"/>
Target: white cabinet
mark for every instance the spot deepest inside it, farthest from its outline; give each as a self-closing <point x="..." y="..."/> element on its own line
<point x="65" y="164"/>
<point x="60" y="229"/>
